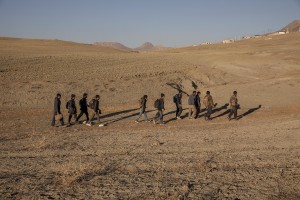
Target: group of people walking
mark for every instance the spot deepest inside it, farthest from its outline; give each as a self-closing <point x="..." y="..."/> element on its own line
<point x="194" y="105"/>
<point x="72" y="109"/>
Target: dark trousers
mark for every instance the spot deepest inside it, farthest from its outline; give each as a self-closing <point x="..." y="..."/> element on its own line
<point x="159" y="116"/>
<point x="53" y="120"/>
<point x="198" y="110"/>
<point x="83" y="112"/>
<point x="233" y="110"/>
<point x="209" y="112"/>
<point x="178" y="110"/>
<point x="70" y="117"/>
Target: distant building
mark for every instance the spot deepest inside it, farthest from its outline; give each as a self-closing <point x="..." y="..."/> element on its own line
<point x="228" y="41"/>
<point x="205" y="43"/>
<point x="247" y="37"/>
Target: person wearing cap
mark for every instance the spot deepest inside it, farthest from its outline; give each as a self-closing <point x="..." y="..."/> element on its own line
<point x="95" y="110"/>
<point x="233" y="101"/>
<point x="83" y="107"/>
<point x="72" y="110"/>
<point x="57" y="111"/>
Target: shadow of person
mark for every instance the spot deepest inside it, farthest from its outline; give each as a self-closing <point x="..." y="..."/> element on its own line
<point x="118" y="113"/>
<point x="125" y="117"/>
<point x="220" y="108"/>
<point x="222" y="114"/>
<point x="248" y="112"/>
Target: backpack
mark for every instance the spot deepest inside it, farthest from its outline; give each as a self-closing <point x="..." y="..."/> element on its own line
<point x="91" y="104"/>
<point x="67" y="105"/>
<point x="175" y="99"/>
<point x="156" y="103"/>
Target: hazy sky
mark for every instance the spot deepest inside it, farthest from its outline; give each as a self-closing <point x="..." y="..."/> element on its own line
<point x="133" y="22"/>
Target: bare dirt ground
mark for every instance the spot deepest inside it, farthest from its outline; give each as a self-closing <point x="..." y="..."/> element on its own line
<point x="255" y="157"/>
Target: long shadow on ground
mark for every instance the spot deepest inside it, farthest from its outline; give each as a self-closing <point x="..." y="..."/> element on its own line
<point x="251" y="110"/>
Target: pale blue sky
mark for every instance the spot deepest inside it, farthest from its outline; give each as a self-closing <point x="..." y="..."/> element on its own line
<point x="133" y="22"/>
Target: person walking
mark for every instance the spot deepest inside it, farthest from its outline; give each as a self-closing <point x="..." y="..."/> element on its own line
<point x="143" y="106"/>
<point x="177" y="99"/>
<point x="94" y="105"/>
<point x="83" y="108"/>
<point x="198" y="104"/>
<point x="159" y="104"/>
<point x="209" y="104"/>
<point x="72" y="110"/>
<point x="192" y="107"/>
<point x="233" y="101"/>
<point x="57" y="111"/>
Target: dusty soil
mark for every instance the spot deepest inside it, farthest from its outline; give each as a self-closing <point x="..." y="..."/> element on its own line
<point x="255" y="157"/>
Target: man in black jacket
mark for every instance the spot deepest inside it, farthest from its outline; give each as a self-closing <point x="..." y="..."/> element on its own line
<point x="160" y="108"/>
<point x="143" y="105"/>
<point x="198" y="104"/>
<point x="192" y="107"/>
<point x="95" y="110"/>
<point x="57" y="111"/>
<point x="83" y="108"/>
<point x="72" y="110"/>
<point x="178" y="102"/>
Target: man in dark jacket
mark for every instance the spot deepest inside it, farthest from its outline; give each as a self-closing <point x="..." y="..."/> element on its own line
<point x="198" y="103"/>
<point x="57" y="111"/>
<point x="143" y="106"/>
<point x="83" y="108"/>
<point x="72" y="110"/>
<point x="192" y="107"/>
<point x="160" y="108"/>
<point x="178" y="103"/>
<point x="95" y="110"/>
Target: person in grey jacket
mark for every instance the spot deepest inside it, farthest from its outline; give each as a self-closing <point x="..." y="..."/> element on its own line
<point x="57" y="104"/>
<point x="95" y="110"/>
<point x="72" y="110"/>
<point x="192" y="107"/>
<point x="143" y="106"/>
<point x="160" y="108"/>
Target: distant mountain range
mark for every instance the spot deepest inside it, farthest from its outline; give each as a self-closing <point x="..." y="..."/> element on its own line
<point x="147" y="46"/>
<point x="292" y="27"/>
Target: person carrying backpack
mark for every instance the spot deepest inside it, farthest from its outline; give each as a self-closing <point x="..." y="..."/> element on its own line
<point x="143" y="105"/>
<point x="72" y="110"/>
<point x="192" y="107"/>
<point x="177" y="99"/>
<point x="209" y="104"/>
<point x="234" y="105"/>
<point x="159" y="104"/>
<point x="83" y="108"/>
<point x="198" y="103"/>
<point x="94" y="105"/>
<point x="57" y="110"/>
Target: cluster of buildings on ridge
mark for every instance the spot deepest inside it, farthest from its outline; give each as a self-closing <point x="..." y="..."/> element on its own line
<point x="228" y="41"/>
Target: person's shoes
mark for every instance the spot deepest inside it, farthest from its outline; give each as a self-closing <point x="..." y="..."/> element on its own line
<point x="101" y="125"/>
<point x="162" y="123"/>
<point x="178" y="117"/>
<point x="228" y="118"/>
<point x="88" y="124"/>
<point x="154" y="122"/>
<point x="84" y="122"/>
<point x="136" y="121"/>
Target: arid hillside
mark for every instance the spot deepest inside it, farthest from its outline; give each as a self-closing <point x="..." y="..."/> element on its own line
<point x="256" y="156"/>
